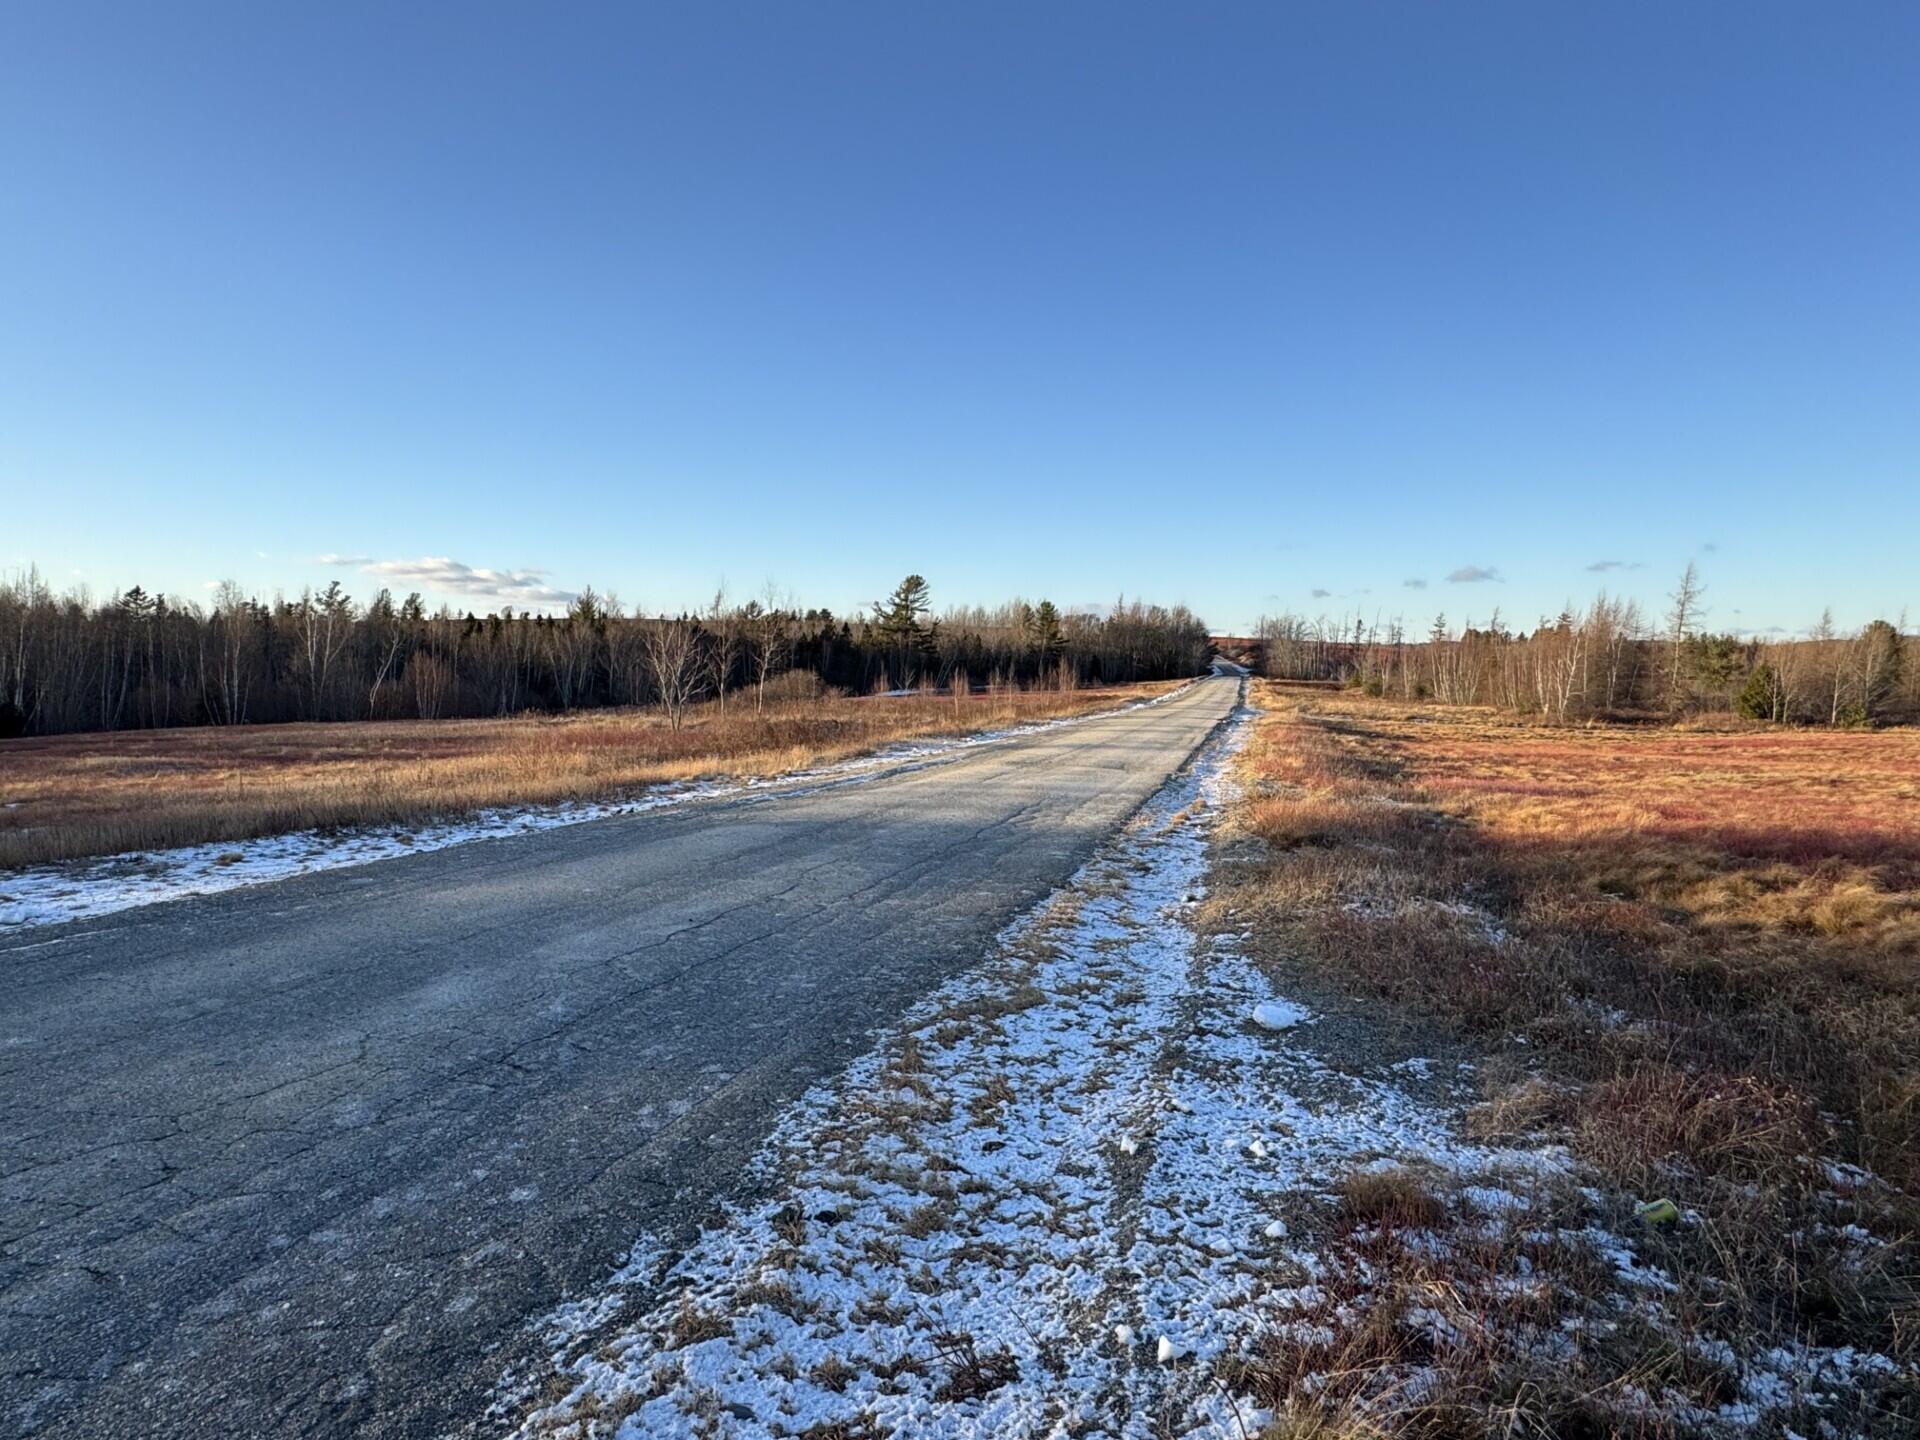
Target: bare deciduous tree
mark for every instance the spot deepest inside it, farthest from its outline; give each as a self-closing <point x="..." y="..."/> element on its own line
<point x="673" y="660"/>
<point x="722" y="649"/>
<point x="770" y="634"/>
<point x="1683" y="616"/>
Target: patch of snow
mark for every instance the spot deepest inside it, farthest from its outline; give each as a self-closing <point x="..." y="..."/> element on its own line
<point x="1845" y="1178"/>
<point x="51" y="894"/>
<point x="1494" y="1198"/>
<point x="1607" y="1017"/>
<point x="1278" y="1014"/>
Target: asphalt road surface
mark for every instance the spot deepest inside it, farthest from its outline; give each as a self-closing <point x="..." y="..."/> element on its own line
<point x="307" y="1159"/>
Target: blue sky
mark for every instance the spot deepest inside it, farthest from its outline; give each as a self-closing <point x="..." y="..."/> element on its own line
<point x="1225" y="304"/>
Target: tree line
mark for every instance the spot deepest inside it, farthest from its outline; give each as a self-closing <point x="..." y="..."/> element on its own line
<point x="1612" y="659"/>
<point x="69" y="662"/>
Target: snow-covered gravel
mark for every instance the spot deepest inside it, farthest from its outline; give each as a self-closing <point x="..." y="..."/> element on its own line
<point x="1042" y="1207"/>
<point x="51" y="894"/>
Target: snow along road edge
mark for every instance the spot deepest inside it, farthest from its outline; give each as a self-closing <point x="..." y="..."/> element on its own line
<point x="84" y="890"/>
<point x="1043" y="1204"/>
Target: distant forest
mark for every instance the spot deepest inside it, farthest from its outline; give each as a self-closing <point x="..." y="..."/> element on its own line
<point x="138" y="660"/>
<point x="1613" y="660"/>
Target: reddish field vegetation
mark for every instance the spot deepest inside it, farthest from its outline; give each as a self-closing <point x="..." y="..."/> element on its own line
<point x="1802" y="797"/>
<point x="1692" y="955"/>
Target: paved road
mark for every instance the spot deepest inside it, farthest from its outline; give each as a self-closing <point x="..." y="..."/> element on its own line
<point x="304" y="1159"/>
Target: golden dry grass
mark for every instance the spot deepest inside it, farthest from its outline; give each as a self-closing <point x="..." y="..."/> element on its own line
<point x="1800" y="831"/>
<point x="71" y="796"/>
<point x="1695" y="955"/>
<point x="1753" y="901"/>
<point x="1393" y="1197"/>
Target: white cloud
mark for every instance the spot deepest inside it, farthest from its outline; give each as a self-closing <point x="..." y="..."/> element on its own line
<point x="1414" y="584"/>
<point x="524" y="589"/>
<point x="1322" y="594"/>
<point x="1473" y="574"/>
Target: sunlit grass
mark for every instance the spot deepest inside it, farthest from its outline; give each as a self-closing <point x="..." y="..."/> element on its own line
<point x="1693" y="955"/>
<point x="66" y="797"/>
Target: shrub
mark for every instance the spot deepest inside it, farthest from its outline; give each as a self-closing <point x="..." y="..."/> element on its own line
<point x="1755" y="700"/>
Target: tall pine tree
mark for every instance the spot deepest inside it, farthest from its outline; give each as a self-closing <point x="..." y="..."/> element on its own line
<point x="896" y="622"/>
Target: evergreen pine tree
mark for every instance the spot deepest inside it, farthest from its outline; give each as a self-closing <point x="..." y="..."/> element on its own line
<point x="1045" y="635"/>
<point x="896" y="620"/>
<point x="1755" y="700"/>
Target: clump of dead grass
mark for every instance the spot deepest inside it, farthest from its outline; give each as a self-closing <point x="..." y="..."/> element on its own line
<point x="1521" y="1322"/>
<point x="1429" y="1320"/>
<point x="1528" y="1106"/>
<point x="1393" y="1196"/>
<point x="1733" y="1127"/>
<point x="693" y="1323"/>
<point x="971" y="1373"/>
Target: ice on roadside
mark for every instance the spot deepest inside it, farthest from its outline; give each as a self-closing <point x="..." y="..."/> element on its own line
<point x="1278" y="1014"/>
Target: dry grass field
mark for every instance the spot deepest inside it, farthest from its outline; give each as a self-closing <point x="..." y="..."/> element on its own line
<point x="71" y="796"/>
<point x="1694" y="956"/>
